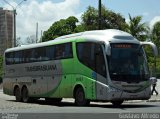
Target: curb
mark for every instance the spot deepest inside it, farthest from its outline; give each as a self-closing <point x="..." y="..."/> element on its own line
<point x="153" y="100"/>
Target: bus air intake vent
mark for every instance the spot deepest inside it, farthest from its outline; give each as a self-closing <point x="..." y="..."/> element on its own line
<point x="124" y="37"/>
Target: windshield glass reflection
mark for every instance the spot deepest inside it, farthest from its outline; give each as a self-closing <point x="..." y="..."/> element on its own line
<point x="128" y="62"/>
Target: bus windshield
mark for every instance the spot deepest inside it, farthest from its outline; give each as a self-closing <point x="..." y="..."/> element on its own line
<point x="127" y="63"/>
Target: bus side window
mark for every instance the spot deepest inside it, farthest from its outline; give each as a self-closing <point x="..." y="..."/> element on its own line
<point x="27" y="56"/>
<point x="17" y="57"/>
<point x="9" y="58"/>
<point x="91" y="55"/>
<point x="40" y="54"/>
<point x="59" y="51"/>
<point x="85" y="52"/>
<point x="32" y="57"/>
<point x="68" y="51"/>
<point x="63" y="51"/>
<point x="50" y="51"/>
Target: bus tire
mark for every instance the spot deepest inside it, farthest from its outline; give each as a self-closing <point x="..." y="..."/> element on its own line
<point x="117" y="103"/>
<point x="25" y="97"/>
<point x="17" y="94"/>
<point x="80" y="99"/>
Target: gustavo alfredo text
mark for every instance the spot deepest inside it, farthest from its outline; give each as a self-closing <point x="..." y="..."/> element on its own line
<point x="139" y="116"/>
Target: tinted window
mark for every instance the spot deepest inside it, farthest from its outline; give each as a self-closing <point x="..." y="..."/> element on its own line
<point x="17" y="57"/>
<point x="55" y="52"/>
<point x="63" y="51"/>
<point x="91" y="55"/>
<point x="38" y="54"/>
<point x="84" y="54"/>
<point x="9" y="58"/>
<point x="127" y="63"/>
<point x="28" y="56"/>
<point x="50" y="51"/>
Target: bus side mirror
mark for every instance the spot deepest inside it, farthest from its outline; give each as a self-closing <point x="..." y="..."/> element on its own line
<point x="155" y="50"/>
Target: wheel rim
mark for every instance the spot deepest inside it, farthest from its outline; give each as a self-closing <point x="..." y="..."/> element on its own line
<point x="80" y="96"/>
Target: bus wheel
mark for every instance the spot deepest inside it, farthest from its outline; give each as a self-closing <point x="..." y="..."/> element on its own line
<point x="17" y="94"/>
<point x="80" y="97"/>
<point x="117" y="103"/>
<point x="25" y="97"/>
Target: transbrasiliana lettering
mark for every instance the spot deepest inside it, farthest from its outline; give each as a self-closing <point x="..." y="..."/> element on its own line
<point x="41" y="68"/>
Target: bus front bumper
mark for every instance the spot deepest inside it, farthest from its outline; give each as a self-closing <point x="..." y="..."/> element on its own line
<point x="116" y="94"/>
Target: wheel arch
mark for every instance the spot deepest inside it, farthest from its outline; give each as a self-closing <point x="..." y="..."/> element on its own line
<point x="16" y="86"/>
<point x="76" y="87"/>
<point x="24" y="86"/>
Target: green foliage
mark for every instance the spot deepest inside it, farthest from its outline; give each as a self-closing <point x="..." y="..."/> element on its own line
<point x="158" y="67"/>
<point x="59" y="28"/>
<point x="155" y="37"/>
<point x="90" y="19"/>
<point x="114" y="21"/>
<point x="79" y="28"/>
<point x="137" y="28"/>
<point x="109" y="20"/>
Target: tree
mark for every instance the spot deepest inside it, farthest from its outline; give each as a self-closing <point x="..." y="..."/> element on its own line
<point x="71" y="22"/>
<point x="155" y="37"/>
<point x="79" y="28"/>
<point x="109" y="19"/>
<point x="137" y="28"/>
<point x="113" y="20"/>
<point x="155" y="34"/>
<point x="89" y="22"/>
<point x="90" y="19"/>
<point x="59" y="28"/>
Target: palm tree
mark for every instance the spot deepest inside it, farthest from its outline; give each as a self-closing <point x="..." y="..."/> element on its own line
<point x="155" y="33"/>
<point x="155" y="37"/>
<point x="137" y="28"/>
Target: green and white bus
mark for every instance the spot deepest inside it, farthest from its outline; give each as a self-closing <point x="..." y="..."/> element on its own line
<point x="87" y="66"/>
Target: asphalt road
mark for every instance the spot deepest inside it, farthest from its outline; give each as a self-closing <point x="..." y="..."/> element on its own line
<point x="9" y="108"/>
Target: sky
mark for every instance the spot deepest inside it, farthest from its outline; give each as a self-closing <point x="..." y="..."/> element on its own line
<point x="46" y="12"/>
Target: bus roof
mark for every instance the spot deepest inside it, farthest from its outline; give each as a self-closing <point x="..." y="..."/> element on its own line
<point x="110" y="35"/>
